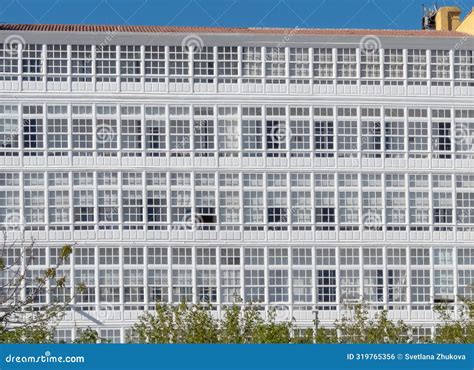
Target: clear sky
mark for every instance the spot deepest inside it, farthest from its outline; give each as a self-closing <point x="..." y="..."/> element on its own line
<point x="392" y="14"/>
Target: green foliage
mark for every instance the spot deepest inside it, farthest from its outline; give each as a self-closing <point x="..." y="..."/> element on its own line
<point x="18" y="322"/>
<point x="89" y="336"/>
<point x="37" y="334"/>
<point x="249" y="324"/>
<point x="362" y="329"/>
<point x="197" y="324"/>
<point x="184" y="323"/>
<point x="458" y="330"/>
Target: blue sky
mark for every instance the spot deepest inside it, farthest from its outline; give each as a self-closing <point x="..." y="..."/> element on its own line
<point x="393" y="14"/>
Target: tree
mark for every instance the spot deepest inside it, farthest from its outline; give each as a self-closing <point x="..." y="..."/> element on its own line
<point x="360" y="328"/>
<point x="20" y="288"/>
<point x="452" y="330"/>
<point x="89" y="336"/>
<point x="196" y="324"/>
<point x="176" y="324"/>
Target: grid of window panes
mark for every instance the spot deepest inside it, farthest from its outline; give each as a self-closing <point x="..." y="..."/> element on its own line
<point x="136" y="277"/>
<point x="229" y="64"/>
<point x="213" y="200"/>
<point x="204" y="130"/>
<point x="140" y="200"/>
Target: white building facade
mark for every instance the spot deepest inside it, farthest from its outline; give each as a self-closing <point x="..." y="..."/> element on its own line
<point x="300" y="169"/>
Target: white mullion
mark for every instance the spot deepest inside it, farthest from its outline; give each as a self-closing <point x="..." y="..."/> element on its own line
<point x="44" y="61"/>
<point x="432" y="275"/>
<point x="119" y="131"/>
<point x="46" y="205"/>
<point x="142" y="67"/>
<point x="118" y="78"/>
<point x="287" y="135"/>
<point x="287" y="69"/>
<point x="451" y="70"/>
<point x="169" y="271"/>
<point x="167" y="135"/>
<point x="120" y="198"/>
<point x="405" y="70"/>
<point x="408" y="283"/>
<point x="383" y="221"/>
<point x="381" y="66"/>
<point x="360" y="194"/>
<point x="94" y="132"/>
<point x="97" y="285"/>
<point x="167" y="69"/>
<point x="311" y="70"/>
<point x="144" y="189"/>
<point x="361" y="271"/>
<point x="143" y="135"/>
<point x="242" y="273"/>
<point x="170" y="222"/>
<point x="406" y="142"/>
<point x="290" y="280"/>
<point x="455" y="277"/>
<point x="121" y="279"/>
<point x="383" y="150"/>
<point x="94" y="68"/>
<point x="358" y="69"/>
<point x="241" y="140"/>
<point x="428" y="71"/>
<point x="359" y="135"/>
<point x="69" y="66"/>
<point x="44" y="118"/>
<point x="95" y="191"/>
<point x="265" y="175"/>
<point x="313" y="205"/>
<point x="23" y="267"/>
<point x="146" y="286"/>
<point x="216" y="71"/>
<point x="218" y="280"/>
<point x="215" y="117"/>
<point x="191" y="50"/>
<point x="336" y="205"/>
<point x="312" y="149"/>
<point x="20" y="47"/>
<point x="338" y="279"/>
<point x="266" y="278"/>
<point x="385" y="277"/>
<point x="315" y="278"/>
<point x="240" y="69"/>
<point x="69" y="135"/>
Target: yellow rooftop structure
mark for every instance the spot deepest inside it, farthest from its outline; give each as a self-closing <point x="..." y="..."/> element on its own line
<point x="448" y="18"/>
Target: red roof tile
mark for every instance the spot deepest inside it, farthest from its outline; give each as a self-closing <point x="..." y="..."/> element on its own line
<point x="216" y="30"/>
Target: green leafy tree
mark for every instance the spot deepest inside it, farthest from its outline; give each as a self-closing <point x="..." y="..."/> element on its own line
<point x="19" y="323"/>
<point x="176" y="324"/>
<point x="89" y="336"/>
<point x="360" y="328"/>
<point x="455" y="330"/>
